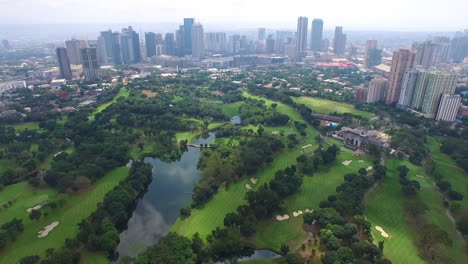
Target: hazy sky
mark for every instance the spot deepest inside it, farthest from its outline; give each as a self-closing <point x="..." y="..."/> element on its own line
<point x="430" y="15"/>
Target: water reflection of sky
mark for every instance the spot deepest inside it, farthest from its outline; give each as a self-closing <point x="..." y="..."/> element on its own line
<point x="158" y="210"/>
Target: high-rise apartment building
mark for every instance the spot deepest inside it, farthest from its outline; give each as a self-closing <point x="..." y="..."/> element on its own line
<point x="261" y="34"/>
<point x="188" y="23"/>
<point x="73" y="49"/>
<point x="150" y="42"/>
<point x="179" y="48"/>
<point x="64" y="63"/>
<point x="376" y="90"/>
<point x="6" y="44"/>
<point x="133" y="44"/>
<point x="339" y="42"/>
<point x="372" y="55"/>
<point x="448" y="108"/>
<point x="91" y="68"/>
<point x="316" y="35"/>
<point x="198" y="44"/>
<point x="360" y="94"/>
<point x="440" y="82"/>
<point x="459" y="48"/>
<point x="216" y="42"/>
<point x="401" y="61"/>
<point x="424" y="54"/>
<point x="301" y="40"/>
<point x="169" y="44"/>
<point x="102" y="52"/>
<point x="408" y="86"/>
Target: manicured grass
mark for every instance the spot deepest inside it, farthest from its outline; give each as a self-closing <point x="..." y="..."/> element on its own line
<point x="191" y="135"/>
<point x="89" y="257"/>
<point x="232" y="109"/>
<point x="324" y="106"/>
<point x="272" y="233"/>
<point x="27" y="125"/>
<point x="124" y="92"/>
<point x="260" y="261"/>
<point x="77" y="207"/>
<point x="449" y="169"/>
<point x="6" y="164"/>
<point x="385" y="208"/>
<point x="282" y="108"/>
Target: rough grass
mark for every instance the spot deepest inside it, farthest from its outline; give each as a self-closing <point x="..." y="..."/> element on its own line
<point x="324" y="106"/>
<point x="385" y="207"/>
<point x="272" y="233"/>
<point x="124" y="92"/>
<point x="282" y="108"/>
<point x="232" y="109"/>
<point x="27" y="125"/>
<point x="77" y="207"/>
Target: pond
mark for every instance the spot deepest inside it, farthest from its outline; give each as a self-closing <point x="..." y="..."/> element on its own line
<point x="170" y="190"/>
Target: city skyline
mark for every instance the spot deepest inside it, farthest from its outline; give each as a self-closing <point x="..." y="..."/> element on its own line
<point x="274" y="13"/>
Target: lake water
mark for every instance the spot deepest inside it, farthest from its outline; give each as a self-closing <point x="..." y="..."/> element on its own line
<point x="170" y="190"/>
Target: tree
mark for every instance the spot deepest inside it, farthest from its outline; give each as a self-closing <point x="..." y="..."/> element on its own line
<point x="171" y="249"/>
<point x="284" y="249"/>
<point x="35" y="214"/>
<point x="454" y="195"/>
<point x="30" y="260"/>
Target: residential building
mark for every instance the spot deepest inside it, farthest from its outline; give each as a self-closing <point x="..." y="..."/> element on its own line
<point x="448" y="108"/>
<point x="440" y="82"/>
<point x="179" y="41"/>
<point x="360" y="94"/>
<point x="316" y="35"/>
<point x="198" y="48"/>
<point x="270" y="44"/>
<point x="150" y="42"/>
<point x="373" y="55"/>
<point x="73" y="49"/>
<point x="91" y="68"/>
<point x="376" y="90"/>
<point x="261" y="34"/>
<point x="6" y="44"/>
<point x="339" y="42"/>
<point x="301" y="39"/>
<point x="216" y="42"/>
<point x="401" y="61"/>
<point x="64" y="63"/>
<point x="424" y="54"/>
<point x="407" y="88"/>
<point x="169" y="44"/>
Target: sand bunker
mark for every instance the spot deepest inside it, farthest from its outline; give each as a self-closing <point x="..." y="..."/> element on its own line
<point x="37" y="207"/>
<point x="346" y="162"/>
<point x="369" y="168"/>
<point x="382" y="232"/>
<point x="309" y="210"/>
<point x="282" y="218"/>
<point x="298" y="213"/>
<point x="253" y="180"/>
<point x="44" y="232"/>
<point x="275" y="133"/>
<point x="307" y="146"/>
<point x="248" y="186"/>
<point x="361" y="161"/>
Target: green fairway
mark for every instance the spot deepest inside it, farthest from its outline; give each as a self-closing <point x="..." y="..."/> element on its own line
<point x="76" y="208"/>
<point x="449" y="169"/>
<point x="88" y="257"/>
<point x="27" y="125"/>
<point x="260" y="261"/>
<point x="124" y="92"/>
<point x="232" y="109"/>
<point x="282" y="108"/>
<point x="272" y="233"/>
<point x="385" y="208"/>
<point x="324" y="106"/>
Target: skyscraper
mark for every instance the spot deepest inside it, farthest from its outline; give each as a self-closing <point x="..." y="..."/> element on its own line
<point x="180" y="41"/>
<point x="459" y="48"/>
<point x="198" y="45"/>
<point x="420" y="88"/>
<point x="150" y="41"/>
<point x="448" y="107"/>
<point x="133" y="44"/>
<point x="6" y="44"/>
<point x="360" y="94"/>
<point x="169" y="44"/>
<point x="339" y="42"/>
<point x="316" y="35"/>
<point x="424" y="54"/>
<point x="64" y="63"/>
<point x="91" y="68"/>
<point x="372" y="56"/>
<point x="102" y="52"/>
<point x="270" y="44"/>
<point x="73" y="49"/>
<point x="301" y="40"/>
<point x="401" y="60"/>
<point x="376" y="90"/>
<point x="216" y="42"/>
<point x="440" y="82"/>
<point x="261" y="34"/>
<point x="188" y="23"/>
<point x="408" y="86"/>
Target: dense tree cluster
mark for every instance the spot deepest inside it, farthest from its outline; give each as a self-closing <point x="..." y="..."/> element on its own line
<point x="256" y="112"/>
<point x="100" y="232"/>
<point x="411" y="142"/>
<point x="457" y="149"/>
<point x="227" y="164"/>
<point x="408" y="187"/>
<point x="9" y="231"/>
<point x="310" y="164"/>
